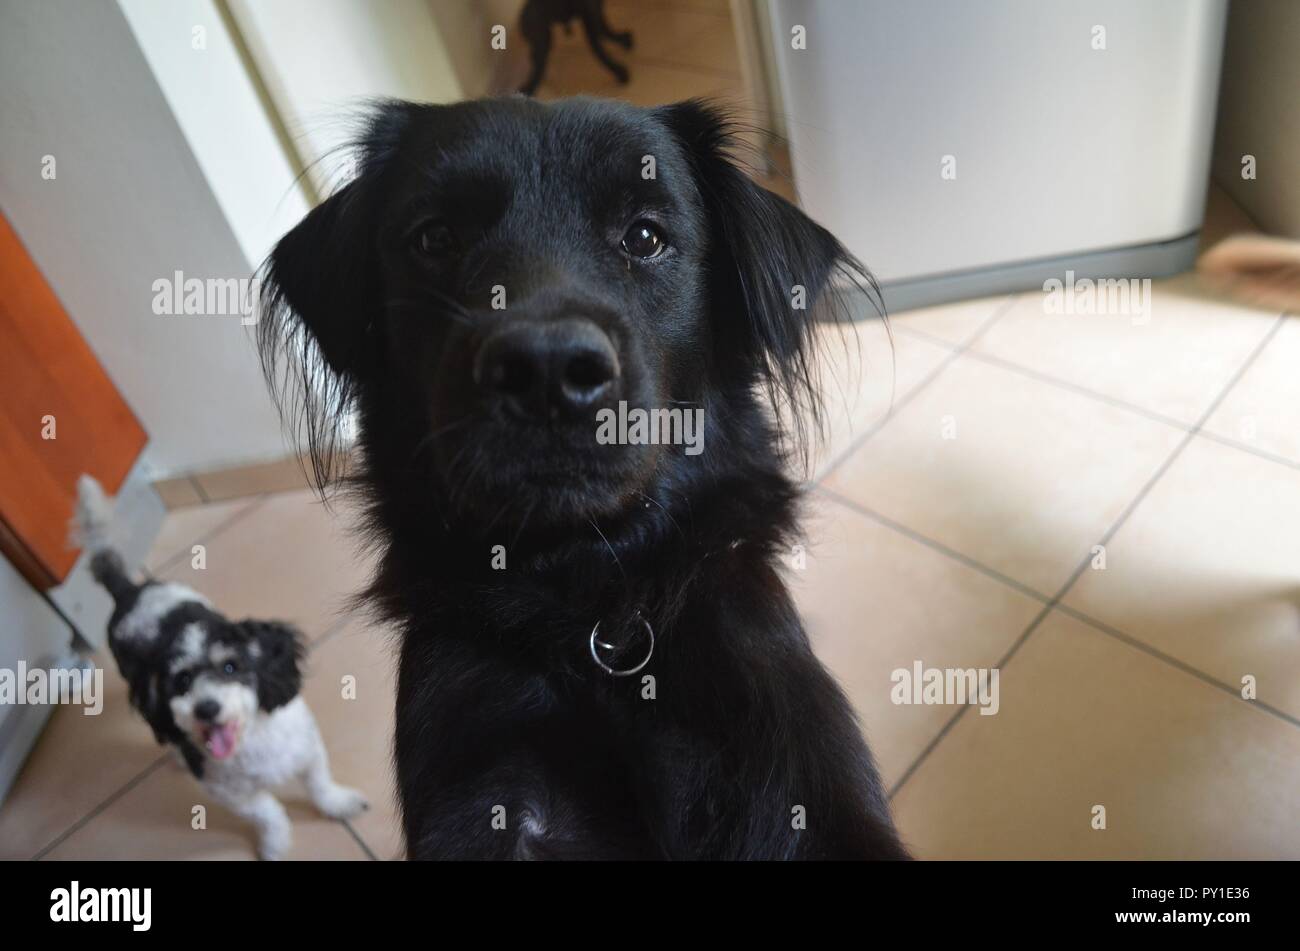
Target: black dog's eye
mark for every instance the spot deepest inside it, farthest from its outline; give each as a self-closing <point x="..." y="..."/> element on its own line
<point x="434" y="239"/>
<point x="643" y="240"/>
<point x="182" y="681"/>
<point x="230" y="667"/>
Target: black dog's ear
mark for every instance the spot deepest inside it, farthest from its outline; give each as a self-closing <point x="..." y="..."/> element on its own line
<point x="278" y="650"/>
<point x="778" y="270"/>
<point x="320" y="297"/>
<point x="321" y="274"/>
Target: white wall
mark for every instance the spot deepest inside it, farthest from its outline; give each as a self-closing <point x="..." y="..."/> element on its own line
<point x="129" y="205"/>
<point x="215" y="102"/>
<point x="465" y="27"/>
<point x="320" y="59"/>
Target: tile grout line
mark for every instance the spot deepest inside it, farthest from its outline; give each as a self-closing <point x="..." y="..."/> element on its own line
<point x="347" y="824"/>
<point x="1106" y="537"/>
<point x="944" y="730"/>
<point x="1236" y="378"/>
<point x="1013" y="367"/>
<point x="212" y="533"/>
<point x="1076" y="388"/>
<point x="911" y="394"/>
<point x="1028" y="592"/>
<point x="199" y="490"/>
<point x="1243" y="447"/>
<point x="1138" y="644"/>
<point x="337" y="625"/>
<point x="99" y="809"/>
<point x="928" y="542"/>
<point x="925" y="335"/>
<point x="329" y="633"/>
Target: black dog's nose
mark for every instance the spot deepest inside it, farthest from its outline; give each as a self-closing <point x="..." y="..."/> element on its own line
<point x="207" y="709"/>
<point x="541" y="370"/>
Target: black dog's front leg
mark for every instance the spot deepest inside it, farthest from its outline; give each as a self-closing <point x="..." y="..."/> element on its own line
<point x="520" y="807"/>
<point x="483" y="823"/>
<point x="492" y="764"/>
<point x="493" y="823"/>
<point x="763" y="739"/>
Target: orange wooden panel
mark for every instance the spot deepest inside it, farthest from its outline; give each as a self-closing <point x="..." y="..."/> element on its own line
<point x="48" y="370"/>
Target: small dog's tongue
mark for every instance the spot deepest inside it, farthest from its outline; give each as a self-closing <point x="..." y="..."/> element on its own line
<point x="221" y="740"/>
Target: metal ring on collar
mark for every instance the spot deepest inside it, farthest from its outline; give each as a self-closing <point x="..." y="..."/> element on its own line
<point x="622" y="673"/>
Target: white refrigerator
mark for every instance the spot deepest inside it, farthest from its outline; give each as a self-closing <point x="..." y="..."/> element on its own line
<point x="971" y="147"/>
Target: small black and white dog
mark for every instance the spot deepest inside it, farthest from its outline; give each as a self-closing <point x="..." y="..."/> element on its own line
<point x="599" y="656"/>
<point x="223" y="693"/>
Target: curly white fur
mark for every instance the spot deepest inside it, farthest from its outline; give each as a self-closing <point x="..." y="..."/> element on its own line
<point x="276" y="748"/>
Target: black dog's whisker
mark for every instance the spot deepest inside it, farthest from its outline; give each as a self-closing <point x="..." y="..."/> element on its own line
<point x="523" y="523"/>
<point x="455" y="312"/>
<point x="451" y="466"/>
<point x="669" y="515"/>
<point x="612" y="553"/>
<point x="504" y="507"/>
<point x="471" y="282"/>
<point x="475" y="464"/>
<point x="437" y="434"/>
<point x="466" y="453"/>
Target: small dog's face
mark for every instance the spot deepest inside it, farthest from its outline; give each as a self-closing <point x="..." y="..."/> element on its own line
<point x="211" y="685"/>
<point x="213" y="676"/>
<point x="503" y="275"/>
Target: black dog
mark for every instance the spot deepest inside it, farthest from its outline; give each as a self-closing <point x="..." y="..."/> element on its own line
<point x="539" y="16"/>
<point x="497" y="275"/>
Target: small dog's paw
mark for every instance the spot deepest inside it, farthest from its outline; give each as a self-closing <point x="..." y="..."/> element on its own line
<point x="343" y="803"/>
<point x="273" y="844"/>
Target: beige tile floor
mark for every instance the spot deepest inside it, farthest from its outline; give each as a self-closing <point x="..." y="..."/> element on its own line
<point x="971" y="470"/>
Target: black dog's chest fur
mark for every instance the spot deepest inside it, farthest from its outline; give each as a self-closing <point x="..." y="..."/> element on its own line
<point x="549" y="779"/>
<point x="512" y="743"/>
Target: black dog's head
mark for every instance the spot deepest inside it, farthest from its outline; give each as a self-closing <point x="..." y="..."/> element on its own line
<point x="504" y="284"/>
<point x="205" y="677"/>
